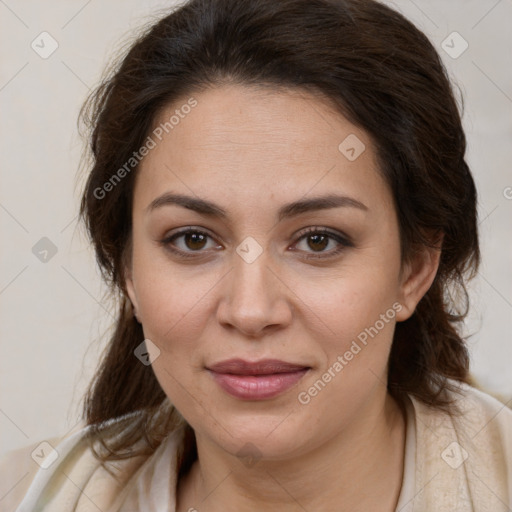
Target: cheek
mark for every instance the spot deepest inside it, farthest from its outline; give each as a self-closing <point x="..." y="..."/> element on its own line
<point x="173" y="307"/>
<point x="175" y="303"/>
<point x="344" y="304"/>
<point x="355" y="321"/>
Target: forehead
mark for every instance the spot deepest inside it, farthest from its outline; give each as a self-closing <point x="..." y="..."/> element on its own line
<point x="237" y="119"/>
<point x="247" y="142"/>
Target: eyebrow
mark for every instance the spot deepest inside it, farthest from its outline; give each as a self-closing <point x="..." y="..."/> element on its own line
<point x="293" y="209"/>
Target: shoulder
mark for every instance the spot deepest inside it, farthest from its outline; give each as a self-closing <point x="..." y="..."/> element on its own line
<point x="498" y="411"/>
<point x="64" y="472"/>
<point x="478" y="421"/>
<point x="485" y="426"/>
<point x="468" y="450"/>
<point x="475" y="414"/>
<point x="18" y="469"/>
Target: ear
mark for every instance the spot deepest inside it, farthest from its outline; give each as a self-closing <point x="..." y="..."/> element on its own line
<point x="417" y="277"/>
<point x="130" y="290"/>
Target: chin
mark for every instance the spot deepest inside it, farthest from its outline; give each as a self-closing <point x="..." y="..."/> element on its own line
<point x="269" y="437"/>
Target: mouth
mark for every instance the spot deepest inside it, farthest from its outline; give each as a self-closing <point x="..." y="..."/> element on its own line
<point x="258" y="380"/>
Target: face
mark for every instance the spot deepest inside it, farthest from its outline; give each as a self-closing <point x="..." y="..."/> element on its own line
<point x="260" y="236"/>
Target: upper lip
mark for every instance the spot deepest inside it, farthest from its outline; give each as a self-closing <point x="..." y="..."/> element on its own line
<point x="263" y="367"/>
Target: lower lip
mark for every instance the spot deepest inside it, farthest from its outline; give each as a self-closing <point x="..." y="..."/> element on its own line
<point x="260" y="387"/>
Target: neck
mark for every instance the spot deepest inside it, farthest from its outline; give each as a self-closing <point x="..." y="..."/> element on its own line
<point x="360" y="468"/>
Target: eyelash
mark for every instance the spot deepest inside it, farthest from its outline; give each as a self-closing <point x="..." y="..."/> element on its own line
<point x="343" y="242"/>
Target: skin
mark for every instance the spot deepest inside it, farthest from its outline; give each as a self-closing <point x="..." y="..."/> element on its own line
<point x="251" y="151"/>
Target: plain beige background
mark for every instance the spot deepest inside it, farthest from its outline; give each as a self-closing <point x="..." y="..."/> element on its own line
<point x="53" y="316"/>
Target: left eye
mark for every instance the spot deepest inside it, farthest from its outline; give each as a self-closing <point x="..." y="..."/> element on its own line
<point x="318" y="241"/>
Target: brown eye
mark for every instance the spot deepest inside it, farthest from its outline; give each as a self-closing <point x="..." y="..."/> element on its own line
<point x="195" y="240"/>
<point x="189" y="241"/>
<point x="318" y="242"/>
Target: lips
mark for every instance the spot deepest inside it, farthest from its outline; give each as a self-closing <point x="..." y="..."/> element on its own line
<point x="256" y="380"/>
<point x="265" y="367"/>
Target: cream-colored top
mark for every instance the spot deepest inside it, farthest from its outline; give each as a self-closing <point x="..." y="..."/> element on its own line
<point x="452" y="464"/>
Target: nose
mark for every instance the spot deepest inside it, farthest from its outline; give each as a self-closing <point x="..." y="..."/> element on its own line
<point x="255" y="300"/>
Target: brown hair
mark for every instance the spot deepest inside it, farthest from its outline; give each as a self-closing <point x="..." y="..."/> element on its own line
<point x="383" y="74"/>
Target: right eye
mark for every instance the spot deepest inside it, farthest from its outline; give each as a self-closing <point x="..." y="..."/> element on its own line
<point x="190" y="241"/>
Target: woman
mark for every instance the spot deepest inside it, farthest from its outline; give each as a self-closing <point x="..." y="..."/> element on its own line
<point x="279" y="195"/>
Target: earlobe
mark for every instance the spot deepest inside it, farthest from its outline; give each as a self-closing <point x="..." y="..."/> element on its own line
<point x="418" y="276"/>
<point x="130" y="290"/>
